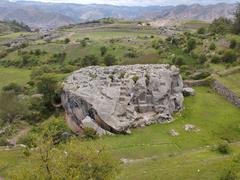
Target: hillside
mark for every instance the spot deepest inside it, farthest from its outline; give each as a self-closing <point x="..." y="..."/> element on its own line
<point x="49" y="15"/>
<point x="40" y="70"/>
<point x="12" y="27"/>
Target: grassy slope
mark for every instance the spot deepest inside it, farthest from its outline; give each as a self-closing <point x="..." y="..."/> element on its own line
<point x="8" y="75"/>
<point x="158" y="155"/>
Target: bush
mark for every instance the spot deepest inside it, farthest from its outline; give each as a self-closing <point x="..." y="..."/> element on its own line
<point x="229" y="175"/>
<point x="135" y="79"/>
<point x="89" y="60"/>
<point x="90" y="133"/>
<point x="3" y="141"/>
<point x="103" y="50"/>
<point x="67" y="40"/>
<point x="223" y="148"/>
<point x="110" y="60"/>
<point x="212" y="46"/>
<point x="191" y="44"/>
<point x="178" y="61"/>
<point x="201" y="30"/>
<point x="202" y="59"/>
<point x="74" y="160"/>
<point x="130" y="54"/>
<point x="233" y="43"/>
<point x="17" y="89"/>
<point x="229" y="56"/>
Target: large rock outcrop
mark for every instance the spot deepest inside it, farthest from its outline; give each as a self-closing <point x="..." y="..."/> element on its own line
<point x="117" y="98"/>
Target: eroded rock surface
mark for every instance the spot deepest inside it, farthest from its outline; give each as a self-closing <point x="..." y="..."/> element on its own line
<point x="118" y="98"/>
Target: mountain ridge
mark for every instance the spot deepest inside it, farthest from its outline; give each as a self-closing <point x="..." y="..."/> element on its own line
<point x="53" y="15"/>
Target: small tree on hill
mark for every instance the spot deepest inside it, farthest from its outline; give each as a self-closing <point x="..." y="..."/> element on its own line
<point x="48" y="85"/>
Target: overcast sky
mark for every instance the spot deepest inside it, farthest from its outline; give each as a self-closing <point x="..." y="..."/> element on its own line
<point x="137" y="2"/>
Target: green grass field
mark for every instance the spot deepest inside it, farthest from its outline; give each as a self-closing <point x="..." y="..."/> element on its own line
<point x="8" y="75"/>
<point x="155" y="154"/>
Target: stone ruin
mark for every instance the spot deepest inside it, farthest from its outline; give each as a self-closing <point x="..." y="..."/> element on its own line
<point x="117" y="98"/>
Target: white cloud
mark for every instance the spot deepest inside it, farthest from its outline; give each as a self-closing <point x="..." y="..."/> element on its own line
<point x="137" y="2"/>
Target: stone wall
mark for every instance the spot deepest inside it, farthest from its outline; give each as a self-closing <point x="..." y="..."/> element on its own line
<point x="225" y="92"/>
<point x="192" y="83"/>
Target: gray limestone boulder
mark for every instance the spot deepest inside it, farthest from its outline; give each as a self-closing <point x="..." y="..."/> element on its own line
<point x="118" y="98"/>
<point x="188" y="91"/>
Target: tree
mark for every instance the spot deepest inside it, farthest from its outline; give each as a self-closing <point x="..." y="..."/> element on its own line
<point x="191" y="44"/>
<point x="110" y="60"/>
<point x="48" y="85"/>
<point x="221" y="26"/>
<point x="103" y="50"/>
<point x="212" y="46"/>
<point x="236" y="22"/>
<point x="74" y="160"/>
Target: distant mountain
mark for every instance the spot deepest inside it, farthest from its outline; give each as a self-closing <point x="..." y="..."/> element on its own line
<point x="51" y="15"/>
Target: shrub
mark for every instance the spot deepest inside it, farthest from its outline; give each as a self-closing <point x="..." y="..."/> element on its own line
<point x="130" y="54"/>
<point x="223" y="148"/>
<point x="212" y="46"/>
<point x="110" y="60"/>
<point x="67" y="40"/>
<point x="89" y="60"/>
<point x="178" y="61"/>
<point x="201" y="30"/>
<point x="3" y="141"/>
<point x="191" y="44"/>
<point x="74" y="160"/>
<point x="103" y="50"/>
<point x="229" y="56"/>
<point x="202" y="59"/>
<point x="17" y="89"/>
<point x="135" y="79"/>
<point x="229" y="175"/>
<point x="233" y="43"/>
<point x="90" y="133"/>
